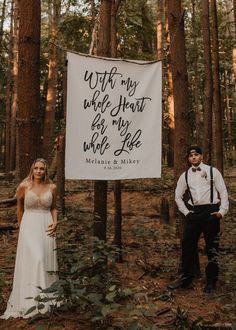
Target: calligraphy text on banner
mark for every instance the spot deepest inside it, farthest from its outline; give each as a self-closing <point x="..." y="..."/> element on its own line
<point x="113" y="125"/>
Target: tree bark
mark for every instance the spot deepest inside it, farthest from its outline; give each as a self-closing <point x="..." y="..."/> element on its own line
<point x="104" y="33"/>
<point x="49" y="118"/>
<point x="196" y="80"/>
<point x="118" y="219"/>
<point x="146" y="36"/>
<point x="100" y="209"/>
<point x="114" y="9"/>
<point x="117" y="184"/>
<point x="234" y="3"/>
<point x="2" y="22"/>
<point x="93" y="44"/>
<point x="180" y="83"/>
<point x="164" y="211"/>
<point x="171" y="121"/>
<point x="9" y="95"/>
<point x="234" y="49"/>
<point x="217" y="94"/>
<point x="61" y="171"/>
<point x="228" y="115"/>
<point x="100" y="187"/>
<point x="160" y="18"/>
<point x="15" y="87"/>
<point x="208" y="84"/>
<point x="60" y="148"/>
<point x="3" y="133"/>
<point x="28" y="122"/>
<point x="170" y="102"/>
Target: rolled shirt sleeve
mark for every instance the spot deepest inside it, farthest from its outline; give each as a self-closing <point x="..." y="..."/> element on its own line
<point x="222" y="190"/>
<point x="179" y="193"/>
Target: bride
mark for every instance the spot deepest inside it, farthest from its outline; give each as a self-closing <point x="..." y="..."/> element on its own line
<point x="36" y="260"/>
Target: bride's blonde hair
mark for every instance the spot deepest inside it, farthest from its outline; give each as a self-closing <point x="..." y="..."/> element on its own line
<point x="30" y="176"/>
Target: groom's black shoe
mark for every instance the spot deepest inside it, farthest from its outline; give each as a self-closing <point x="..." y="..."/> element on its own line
<point x="183" y="282"/>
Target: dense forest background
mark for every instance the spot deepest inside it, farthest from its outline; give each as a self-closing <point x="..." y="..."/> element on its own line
<point x="114" y="272"/>
<point x="195" y="41"/>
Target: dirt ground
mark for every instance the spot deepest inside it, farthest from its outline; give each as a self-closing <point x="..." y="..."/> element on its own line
<point x="153" y="258"/>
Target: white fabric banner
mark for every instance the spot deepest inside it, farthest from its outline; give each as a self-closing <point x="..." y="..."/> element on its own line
<point x="113" y="124"/>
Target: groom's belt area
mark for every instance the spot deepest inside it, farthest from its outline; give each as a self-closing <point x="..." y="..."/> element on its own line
<point x="205" y="207"/>
<point x="201" y="212"/>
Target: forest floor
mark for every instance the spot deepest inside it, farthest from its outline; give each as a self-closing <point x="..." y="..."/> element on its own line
<point x="150" y="263"/>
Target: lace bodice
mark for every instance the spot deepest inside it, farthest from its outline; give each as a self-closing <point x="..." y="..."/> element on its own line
<point x="38" y="203"/>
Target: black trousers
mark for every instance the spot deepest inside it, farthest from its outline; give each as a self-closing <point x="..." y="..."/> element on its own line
<point x="201" y="222"/>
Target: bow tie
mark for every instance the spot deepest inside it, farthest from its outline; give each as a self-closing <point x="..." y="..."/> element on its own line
<point x="194" y="169"/>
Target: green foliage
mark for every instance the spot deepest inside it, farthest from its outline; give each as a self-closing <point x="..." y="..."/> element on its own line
<point x="182" y="321"/>
<point x="228" y="272"/>
<point x="136" y="30"/>
<point x="75" y="33"/>
<point x="89" y="283"/>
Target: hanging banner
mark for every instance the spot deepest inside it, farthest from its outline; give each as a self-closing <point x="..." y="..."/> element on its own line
<point x="113" y="124"/>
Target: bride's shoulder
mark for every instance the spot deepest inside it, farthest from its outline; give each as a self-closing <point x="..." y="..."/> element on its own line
<point x="22" y="188"/>
<point x="53" y="187"/>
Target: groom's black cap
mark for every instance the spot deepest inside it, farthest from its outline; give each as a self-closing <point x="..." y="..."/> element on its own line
<point x="194" y="149"/>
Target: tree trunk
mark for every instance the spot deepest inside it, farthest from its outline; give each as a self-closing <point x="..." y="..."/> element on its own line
<point x="160" y="54"/>
<point x="164" y="211"/>
<point x="234" y="49"/>
<point x="171" y="121"/>
<point x="118" y="219"/>
<point x="61" y="171"/>
<point x="93" y="44"/>
<point x="104" y="33"/>
<point x="180" y="83"/>
<point x="60" y="148"/>
<point x="146" y="36"/>
<point x="9" y="96"/>
<point x="196" y="80"/>
<point x="228" y="115"/>
<point x="28" y="122"/>
<point x="170" y="102"/>
<point x="160" y="18"/>
<point x="217" y="95"/>
<point x="49" y="118"/>
<point x="234" y="15"/>
<point x="15" y="87"/>
<point x="100" y="209"/>
<point x="100" y="187"/>
<point x="2" y="20"/>
<point x="208" y="84"/>
<point x="117" y="184"/>
<point x="114" y="10"/>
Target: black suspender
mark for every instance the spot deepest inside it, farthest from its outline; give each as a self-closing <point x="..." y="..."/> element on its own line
<point x="211" y="172"/>
<point x="211" y="181"/>
<point x="190" y="195"/>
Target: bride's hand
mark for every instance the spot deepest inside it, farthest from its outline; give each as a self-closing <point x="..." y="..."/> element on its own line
<point x="52" y="229"/>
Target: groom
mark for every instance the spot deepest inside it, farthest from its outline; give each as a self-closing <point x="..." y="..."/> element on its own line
<point x="206" y="206"/>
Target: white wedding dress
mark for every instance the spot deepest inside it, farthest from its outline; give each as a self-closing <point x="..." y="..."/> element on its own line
<point x="35" y="257"/>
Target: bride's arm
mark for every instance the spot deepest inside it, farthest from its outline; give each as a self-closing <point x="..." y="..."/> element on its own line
<point x="20" y="197"/>
<point x="52" y="227"/>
